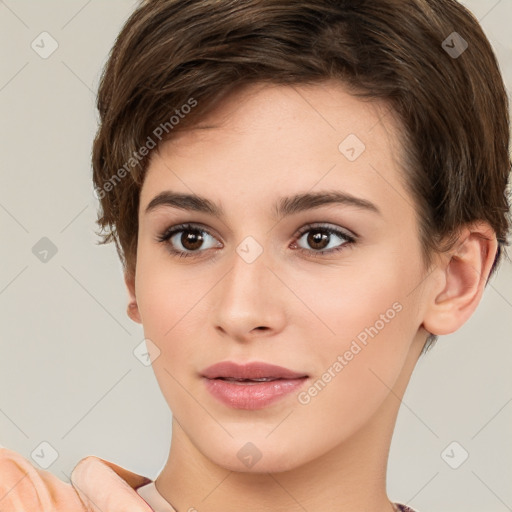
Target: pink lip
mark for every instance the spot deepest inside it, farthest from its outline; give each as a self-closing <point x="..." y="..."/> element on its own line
<point x="250" y="394"/>
<point x="254" y="370"/>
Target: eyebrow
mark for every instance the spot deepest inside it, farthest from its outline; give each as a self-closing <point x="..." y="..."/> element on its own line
<point x="285" y="206"/>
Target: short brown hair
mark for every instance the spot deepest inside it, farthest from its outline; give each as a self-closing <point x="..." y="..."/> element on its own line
<point x="452" y="103"/>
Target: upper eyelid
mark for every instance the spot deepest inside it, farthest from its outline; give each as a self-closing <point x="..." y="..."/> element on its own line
<point x="328" y="227"/>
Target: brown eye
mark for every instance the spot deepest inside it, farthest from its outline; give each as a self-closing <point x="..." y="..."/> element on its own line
<point x="187" y="240"/>
<point x="318" y="239"/>
<point x="322" y="240"/>
<point x="191" y="240"/>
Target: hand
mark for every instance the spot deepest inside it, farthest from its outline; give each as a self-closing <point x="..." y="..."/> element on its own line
<point x="97" y="486"/>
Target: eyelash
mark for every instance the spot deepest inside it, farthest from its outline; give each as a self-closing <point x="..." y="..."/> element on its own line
<point x="166" y="235"/>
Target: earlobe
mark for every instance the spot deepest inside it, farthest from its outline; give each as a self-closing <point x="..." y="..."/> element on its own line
<point x="133" y="309"/>
<point x="465" y="272"/>
<point x="133" y="312"/>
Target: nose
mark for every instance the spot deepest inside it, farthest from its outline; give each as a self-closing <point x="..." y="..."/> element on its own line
<point x="250" y="301"/>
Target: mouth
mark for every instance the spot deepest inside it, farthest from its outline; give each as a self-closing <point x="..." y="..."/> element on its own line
<point x="255" y="371"/>
<point x="250" y="381"/>
<point x="251" y="386"/>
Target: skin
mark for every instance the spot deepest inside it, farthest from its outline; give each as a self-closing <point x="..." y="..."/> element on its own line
<point x="331" y="453"/>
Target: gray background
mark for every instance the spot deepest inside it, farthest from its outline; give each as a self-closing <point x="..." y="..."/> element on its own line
<point x="68" y="375"/>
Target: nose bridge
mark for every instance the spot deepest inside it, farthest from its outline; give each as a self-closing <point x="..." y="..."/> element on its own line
<point x="245" y="283"/>
<point x="248" y="296"/>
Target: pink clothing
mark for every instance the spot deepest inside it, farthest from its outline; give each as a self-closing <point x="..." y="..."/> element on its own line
<point x="154" y="499"/>
<point x="25" y="487"/>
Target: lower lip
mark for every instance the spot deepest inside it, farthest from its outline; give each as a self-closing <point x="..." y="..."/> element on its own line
<point x="252" y="395"/>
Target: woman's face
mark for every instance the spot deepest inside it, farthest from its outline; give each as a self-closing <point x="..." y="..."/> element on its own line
<point x="328" y="286"/>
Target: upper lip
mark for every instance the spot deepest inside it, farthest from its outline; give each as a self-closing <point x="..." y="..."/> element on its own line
<point x="253" y="370"/>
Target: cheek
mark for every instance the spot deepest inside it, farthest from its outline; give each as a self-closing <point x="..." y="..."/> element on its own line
<point x="168" y="305"/>
<point x="343" y="301"/>
<point x="360" y="363"/>
<point x="167" y="299"/>
<point x="365" y="316"/>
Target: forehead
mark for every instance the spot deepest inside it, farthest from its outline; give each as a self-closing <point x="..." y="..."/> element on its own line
<point x="326" y="107"/>
<point x="283" y="138"/>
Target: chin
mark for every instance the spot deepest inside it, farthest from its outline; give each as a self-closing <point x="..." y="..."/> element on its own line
<point x="269" y="465"/>
<point x="257" y="457"/>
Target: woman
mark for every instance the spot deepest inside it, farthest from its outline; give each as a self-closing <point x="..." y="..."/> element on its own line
<point x="304" y="195"/>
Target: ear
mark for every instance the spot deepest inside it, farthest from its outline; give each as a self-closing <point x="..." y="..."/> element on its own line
<point x="464" y="272"/>
<point x="133" y="308"/>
